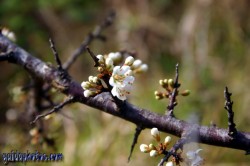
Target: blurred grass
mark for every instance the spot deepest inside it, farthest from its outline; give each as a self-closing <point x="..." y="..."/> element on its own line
<point x="209" y="39"/>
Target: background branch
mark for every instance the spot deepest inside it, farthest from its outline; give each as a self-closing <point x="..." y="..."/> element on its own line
<point x="96" y="34"/>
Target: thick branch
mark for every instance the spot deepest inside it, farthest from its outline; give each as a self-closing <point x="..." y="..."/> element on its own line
<point x="207" y="135"/>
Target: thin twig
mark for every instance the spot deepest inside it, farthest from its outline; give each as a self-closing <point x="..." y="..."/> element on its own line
<point x="93" y="57"/>
<point x="232" y="131"/>
<point x="138" y="130"/>
<point x="96" y="34"/>
<point x="173" y="151"/>
<point x="55" y="109"/>
<point x="173" y="95"/>
<point x="58" y="61"/>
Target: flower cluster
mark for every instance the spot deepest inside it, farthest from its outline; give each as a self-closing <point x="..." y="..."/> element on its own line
<point x="153" y="150"/>
<point x="118" y="77"/>
<point x="193" y="159"/>
<point x="92" y="87"/>
<point x="168" y="85"/>
<point x="10" y="35"/>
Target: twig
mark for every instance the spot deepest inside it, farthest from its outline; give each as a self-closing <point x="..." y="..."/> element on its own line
<point x="95" y="34"/>
<point x="58" y="61"/>
<point x="93" y="57"/>
<point x="173" y="95"/>
<point x="232" y="131"/>
<point x="55" y="109"/>
<point x="138" y="130"/>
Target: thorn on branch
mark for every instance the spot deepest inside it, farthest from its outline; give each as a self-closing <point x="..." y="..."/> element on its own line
<point x="55" y="109"/>
<point x="58" y="61"/>
<point x="93" y="57"/>
<point x="173" y="95"/>
<point x="138" y="130"/>
<point x="232" y="131"/>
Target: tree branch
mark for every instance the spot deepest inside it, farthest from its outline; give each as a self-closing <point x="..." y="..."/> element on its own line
<point x="173" y="95"/>
<point x="147" y="119"/>
<point x="55" y="109"/>
<point x="93" y="35"/>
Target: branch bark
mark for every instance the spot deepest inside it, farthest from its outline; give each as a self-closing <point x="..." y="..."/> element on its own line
<point x="104" y="102"/>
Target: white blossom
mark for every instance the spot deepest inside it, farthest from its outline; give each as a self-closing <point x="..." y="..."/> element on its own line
<point x="121" y="81"/>
<point x="170" y="163"/>
<point x="194" y="158"/>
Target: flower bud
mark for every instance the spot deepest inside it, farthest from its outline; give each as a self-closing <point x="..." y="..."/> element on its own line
<point x="158" y="97"/>
<point x="165" y="81"/>
<point x="100" y="69"/>
<point x="161" y="82"/>
<point x="7" y="33"/>
<point x="88" y="93"/>
<point x="156" y="134"/>
<point x="129" y="61"/>
<point x="115" y="56"/>
<point x="171" y="83"/>
<point x="185" y="93"/>
<point x="109" y="63"/>
<point x="151" y="147"/>
<point x="85" y="85"/>
<point x="144" y="148"/>
<point x="48" y="117"/>
<point x="137" y="63"/>
<point x="101" y="58"/>
<point x="91" y="78"/>
<point x="33" y="131"/>
<point x="153" y="153"/>
<point x="157" y="93"/>
<point x="95" y="80"/>
<point x="143" y="68"/>
<point x="167" y="140"/>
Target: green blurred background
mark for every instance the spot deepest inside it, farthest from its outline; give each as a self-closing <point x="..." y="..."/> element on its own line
<point x="208" y="38"/>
